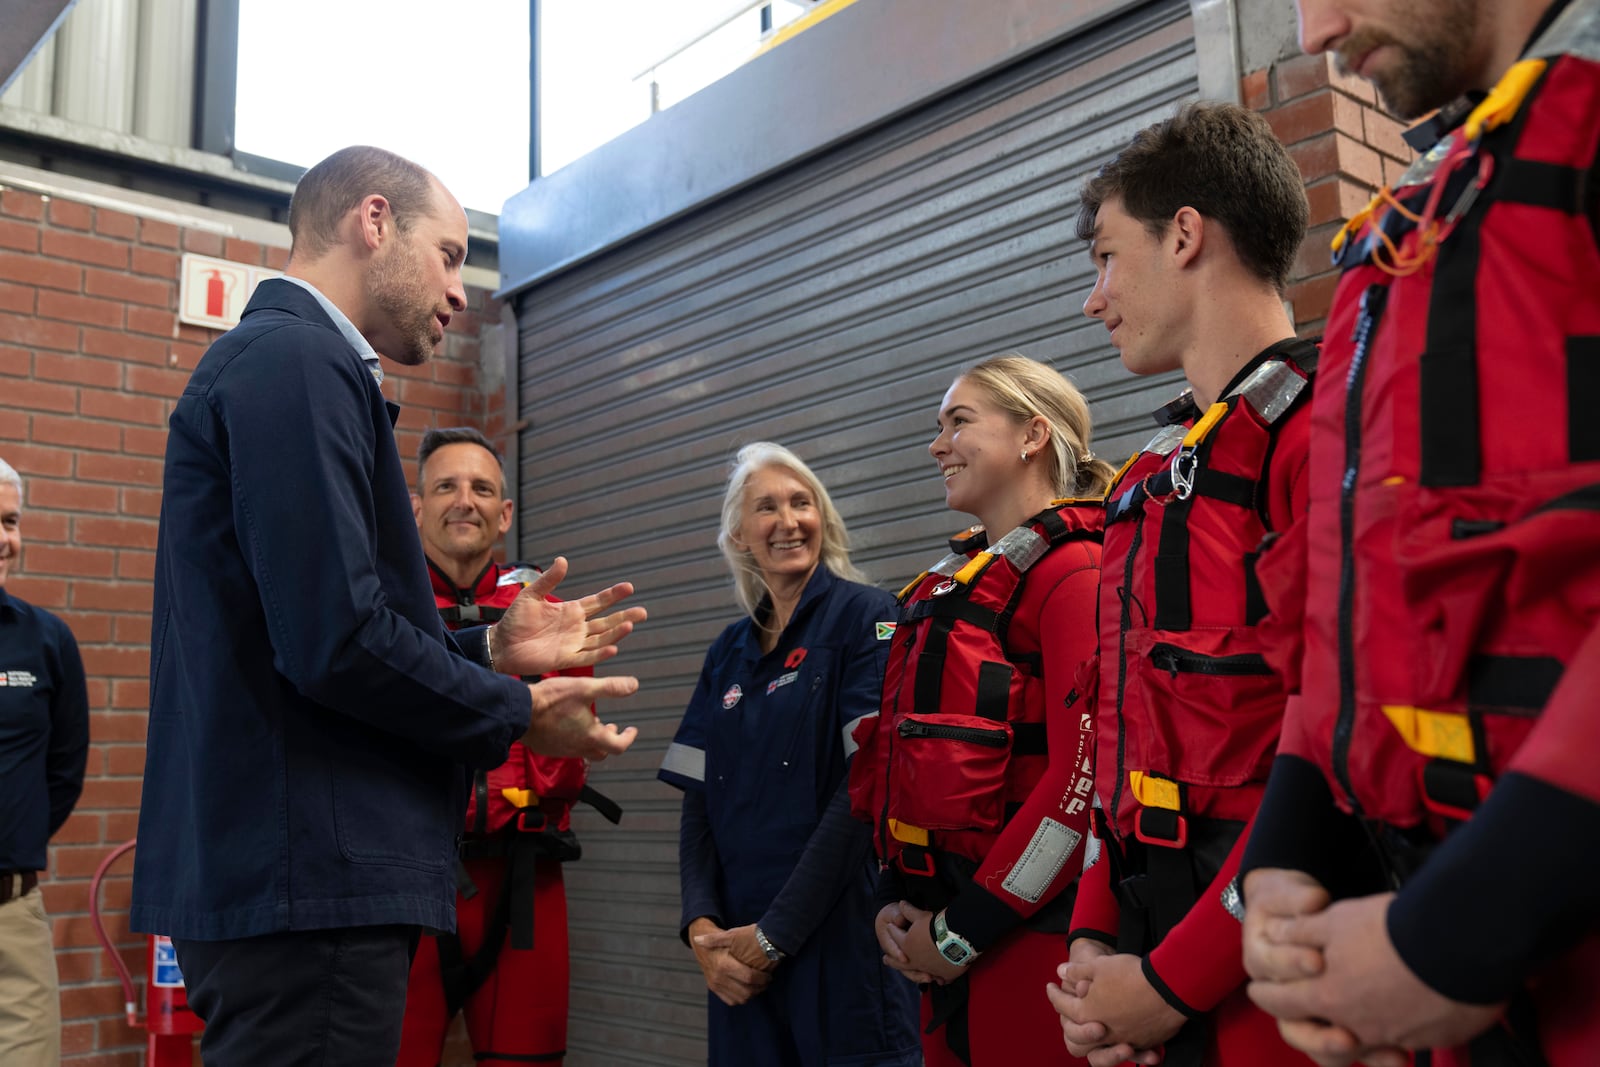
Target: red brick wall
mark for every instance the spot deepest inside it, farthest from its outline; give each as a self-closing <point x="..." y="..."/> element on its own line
<point x="1345" y="146"/>
<point x="91" y="358"/>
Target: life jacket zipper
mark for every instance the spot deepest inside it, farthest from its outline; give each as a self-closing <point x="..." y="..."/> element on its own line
<point x="971" y="734"/>
<point x="888" y="755"/>
<point x="1372" y="305"/>
<point x="1125" y="593"/>
<point x="1175" y="660"/>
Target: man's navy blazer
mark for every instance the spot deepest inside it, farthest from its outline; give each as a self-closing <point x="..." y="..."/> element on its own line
<point x="310" y="721"/>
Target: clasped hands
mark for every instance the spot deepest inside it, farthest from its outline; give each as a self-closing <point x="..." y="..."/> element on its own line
<point x="1109" y="1011"/>
<point x="1331" y="976"/>
<point x="537" y="636"/>
<point x="735" y="967"/>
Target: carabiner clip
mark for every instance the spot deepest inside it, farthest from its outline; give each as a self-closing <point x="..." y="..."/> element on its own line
<point x="1184" y="466"/>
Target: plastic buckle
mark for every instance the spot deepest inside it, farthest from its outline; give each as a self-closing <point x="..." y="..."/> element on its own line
<point x="1179" y="838"/>
<point x="1436" y="778"/>
<point x="541" y="823"/>
<point x="927" y="870"/>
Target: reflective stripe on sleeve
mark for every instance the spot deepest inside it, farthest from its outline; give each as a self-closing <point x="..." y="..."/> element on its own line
<point x="685" y="761"/>
<point x="1052" y="845"/>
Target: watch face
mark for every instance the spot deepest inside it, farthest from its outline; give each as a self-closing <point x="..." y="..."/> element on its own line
<point x="955" y="952"/>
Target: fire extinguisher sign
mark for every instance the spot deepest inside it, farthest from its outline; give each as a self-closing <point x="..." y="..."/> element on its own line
<point x="213" y="292"/>
<point x="167" y="975"/>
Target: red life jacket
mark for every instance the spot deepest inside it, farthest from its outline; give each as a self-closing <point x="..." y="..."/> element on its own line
<point x="959" y="741"/>
<point x="1190" y="711"/>
<point x="533" y="791"/>
<point x="1455" y="496"/>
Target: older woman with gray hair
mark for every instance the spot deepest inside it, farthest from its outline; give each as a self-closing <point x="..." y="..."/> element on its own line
<point x="777" y="879"/>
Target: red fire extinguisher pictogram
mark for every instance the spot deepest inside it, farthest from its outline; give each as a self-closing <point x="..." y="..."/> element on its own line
<point x="218" y="289"/>
<point x="168" y="1020"/>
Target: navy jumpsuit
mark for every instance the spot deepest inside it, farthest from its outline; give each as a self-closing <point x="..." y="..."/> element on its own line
<point x="766" y="835"/>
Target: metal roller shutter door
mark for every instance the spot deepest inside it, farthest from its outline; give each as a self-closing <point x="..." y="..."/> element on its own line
<point x="826" y="307"/>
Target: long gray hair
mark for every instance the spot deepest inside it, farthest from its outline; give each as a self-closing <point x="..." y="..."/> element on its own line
<point x="749" y="587"/>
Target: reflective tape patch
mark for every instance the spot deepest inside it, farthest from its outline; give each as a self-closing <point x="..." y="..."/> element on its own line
<point x="685" y="761"/>
<point x="949" y="565"/>
<point x="1166" y="439"/>
<point x="1052" y="845"/>
<point x="1271" y="388"/>
<point x="1022" y="547"/>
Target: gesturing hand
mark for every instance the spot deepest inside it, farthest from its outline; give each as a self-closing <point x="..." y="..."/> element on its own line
<point x="537" y="636"/>
<point x="564" y="723"/>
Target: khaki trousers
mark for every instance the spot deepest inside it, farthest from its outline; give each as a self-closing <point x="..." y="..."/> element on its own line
<point x="30" y="996"/>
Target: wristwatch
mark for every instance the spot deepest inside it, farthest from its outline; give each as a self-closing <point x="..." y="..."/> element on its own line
<point x="773" y="952"/>
<point x="951" y="945"/>
<point x="1233" y="900"/>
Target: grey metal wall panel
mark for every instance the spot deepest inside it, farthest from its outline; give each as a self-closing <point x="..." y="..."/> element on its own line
<point x="34" y="87"/>
<point x="95" y="59"/>
<point x="826" y="307"/>
<point x="163" y="107"/>
<point x="126" y="66"/>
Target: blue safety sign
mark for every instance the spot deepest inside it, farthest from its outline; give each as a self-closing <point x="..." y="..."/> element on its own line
<point x="167" y="974"/>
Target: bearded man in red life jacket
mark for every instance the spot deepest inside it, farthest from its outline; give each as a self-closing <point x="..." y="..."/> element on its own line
<point x="506" y="965"/>
<point x="1449" y="599"/>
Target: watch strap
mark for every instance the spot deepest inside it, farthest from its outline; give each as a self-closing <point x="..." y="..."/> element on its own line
<point x="772" y="952"/>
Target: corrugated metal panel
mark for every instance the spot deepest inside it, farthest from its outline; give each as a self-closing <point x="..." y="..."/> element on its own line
<point x="96" y="52"/>
<point x="121" y="65"/>
<point x="163" y="100"/>
<point x="826" y="308"/>
<point x="35" y="87"/>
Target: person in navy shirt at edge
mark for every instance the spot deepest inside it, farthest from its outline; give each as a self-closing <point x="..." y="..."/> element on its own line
<point x="977" y="775"/>
<point x="777" y="878"/>
<point x="311" y="723"/>
<point x="44" y="741"/>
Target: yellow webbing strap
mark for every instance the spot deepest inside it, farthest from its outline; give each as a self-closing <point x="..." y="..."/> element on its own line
<point x="911" y="835"/>
<point x="1447" y="734"/>
<point x="520" y="798"/>
<point x="1207" y="423"/>
<point x="1153" y="791"/>
<point x="911" y="585"/>
<point x="974" y="567"/>
<point x="1116" y="479"/>
<point x="1358" y="220"/>
<point x="1504" y="100"/>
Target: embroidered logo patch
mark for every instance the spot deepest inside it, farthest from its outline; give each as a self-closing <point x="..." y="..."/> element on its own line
<point x="732" y="696"/>
<point x="19" y="679"/>
<point x="781" y="680"/>
<point x="885" y="631"/>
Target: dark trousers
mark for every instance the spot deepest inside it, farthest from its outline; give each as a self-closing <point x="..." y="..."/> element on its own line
<point x="312" y="998"/>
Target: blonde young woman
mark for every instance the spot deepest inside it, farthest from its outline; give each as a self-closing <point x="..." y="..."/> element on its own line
<point x="777" y="879"/>
<point x="977" y="775"/>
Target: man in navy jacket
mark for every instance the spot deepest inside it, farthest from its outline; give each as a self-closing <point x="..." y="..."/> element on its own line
<point x="311" y="724"/>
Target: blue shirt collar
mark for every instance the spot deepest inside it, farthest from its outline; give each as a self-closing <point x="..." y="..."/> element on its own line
<point x="363" y="348"/>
